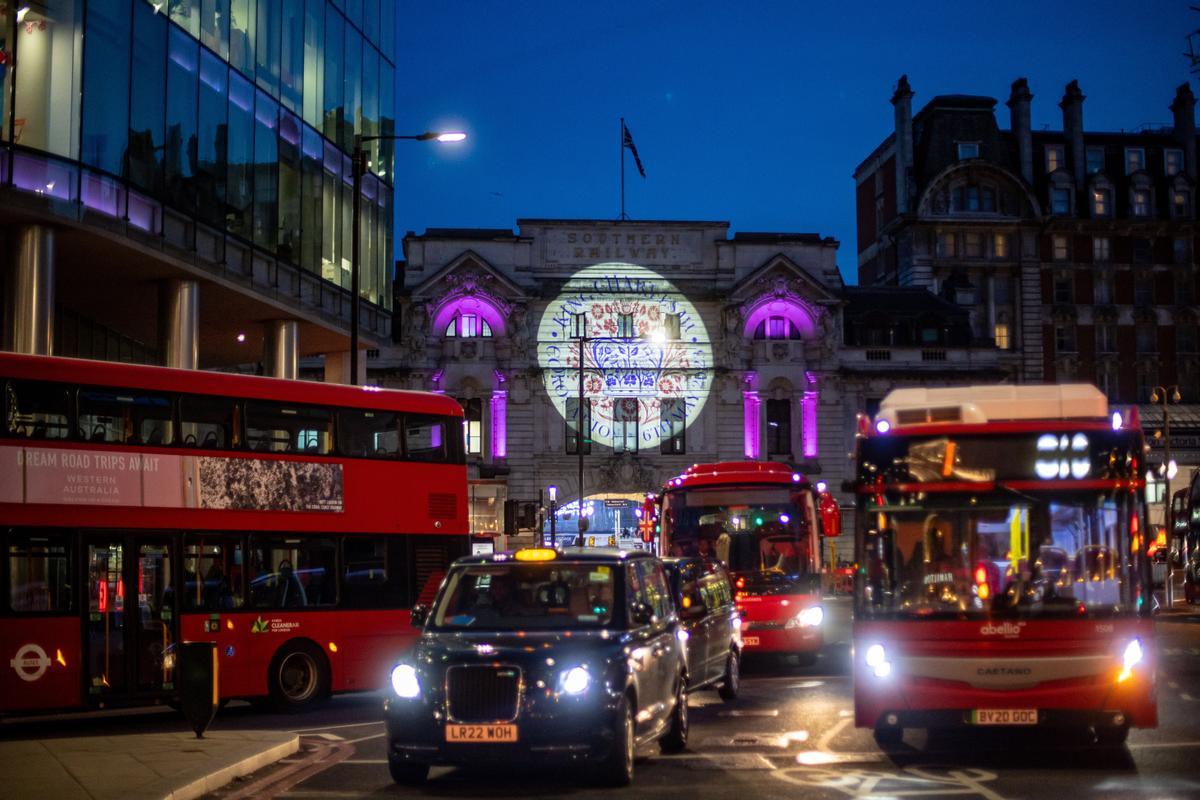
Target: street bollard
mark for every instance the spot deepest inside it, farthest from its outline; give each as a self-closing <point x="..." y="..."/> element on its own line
<point x="197" y="665"/>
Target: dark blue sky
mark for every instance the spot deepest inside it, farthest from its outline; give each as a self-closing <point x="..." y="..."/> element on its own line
<point x="754" y="112"/>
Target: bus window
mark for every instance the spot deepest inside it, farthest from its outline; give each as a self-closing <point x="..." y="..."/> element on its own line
<point x="39" y="572"/>
<point x="371" y="577"/>
<point x="288" y="429"/>
<point x="425" y="439"/>
<point x="369" y="433"/>
<point x="212" y="573"/>
<point x="207" y="422"/>
<point x="36" y="410"/>
<point x="292" y="573"/>
<point x="119" y="415"/>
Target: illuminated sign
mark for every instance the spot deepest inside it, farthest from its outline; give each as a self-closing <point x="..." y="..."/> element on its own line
<point x="647" y="358"/>
<point x="1061" y="455"/>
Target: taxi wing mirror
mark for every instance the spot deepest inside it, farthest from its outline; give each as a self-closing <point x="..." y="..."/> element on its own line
<point x="640" y="613"/>
<point x="419" y="615"/>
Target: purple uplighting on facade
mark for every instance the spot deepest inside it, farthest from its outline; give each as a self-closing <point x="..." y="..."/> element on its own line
<point x="499" y="424"/>
<point x="473" y="304"/>
<point x="808" y="421"/>
<point x="751" y="405"/>
<point x="789" y="309"/>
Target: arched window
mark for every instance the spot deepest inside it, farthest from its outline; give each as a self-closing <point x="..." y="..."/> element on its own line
<point x="774" y="327"/>
<point x="468" y="326"/>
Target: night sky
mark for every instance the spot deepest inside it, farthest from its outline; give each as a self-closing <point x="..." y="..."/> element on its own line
<point x="755" y="113"/>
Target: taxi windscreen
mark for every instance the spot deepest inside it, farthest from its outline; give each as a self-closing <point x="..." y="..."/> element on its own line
<point x="552" y="595"/>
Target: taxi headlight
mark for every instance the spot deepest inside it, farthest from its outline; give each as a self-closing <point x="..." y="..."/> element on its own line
<point x="575" y="680"/>
<point x="404" y="681"/>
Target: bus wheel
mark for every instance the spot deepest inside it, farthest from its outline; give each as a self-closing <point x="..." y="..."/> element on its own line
<point x="1111" y="735"/>
<point x="888" y="735"/>
<point x="299" y="677"/>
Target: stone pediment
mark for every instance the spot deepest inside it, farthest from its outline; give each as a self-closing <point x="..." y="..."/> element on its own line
<point x="468" y="274"/>
<point x="781" y="276"/>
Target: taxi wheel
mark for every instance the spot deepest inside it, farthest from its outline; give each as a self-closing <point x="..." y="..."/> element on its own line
<point x="732" y="681"/>
<point x="299" y="677"/>
<point x="675" y="739"/>
<point x="806" y="659"/>
<point x="407" y="773"/>
<point x="617" y="768"/>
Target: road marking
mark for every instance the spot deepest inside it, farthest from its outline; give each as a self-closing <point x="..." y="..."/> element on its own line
<point x="336" y="727"/>
<point x="1187" y="696"/>
<point x="1172" y="684"/>
<point x="829" y="735"/>
<point x="330" y="737"/>
<point x="365" y="761"/>
<point x="910" y="782"/>
<point x="750" y="712"/>
<point x="1162" y="745"/>
<point x="367" y="738"/>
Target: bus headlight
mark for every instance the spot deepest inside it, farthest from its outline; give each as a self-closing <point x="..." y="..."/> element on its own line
<point x="1132" y="656"/>
<point x="808" y="618"/>
<point x="877" y="660"/>
<point x="575" y="680"/>
<point x="404" y="681"/>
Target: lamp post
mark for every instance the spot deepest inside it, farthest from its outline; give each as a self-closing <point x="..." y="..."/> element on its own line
<point x="1165" y="396"/>
<point x="581" y="335"/>
<point x="552" y="490"/>
<point x="358" y="167"/>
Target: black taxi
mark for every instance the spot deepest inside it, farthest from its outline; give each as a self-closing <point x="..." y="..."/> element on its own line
<point x="540" y="655"/>
<point x="711" y="625"/>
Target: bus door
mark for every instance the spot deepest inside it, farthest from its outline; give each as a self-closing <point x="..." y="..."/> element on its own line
<point x="130" y="617"/>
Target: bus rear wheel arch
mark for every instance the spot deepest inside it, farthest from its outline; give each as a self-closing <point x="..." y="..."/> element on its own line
<point x="299" y="676"/>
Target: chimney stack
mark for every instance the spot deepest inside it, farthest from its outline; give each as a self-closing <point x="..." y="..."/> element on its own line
<point x="902" y="100"/>
<point x="1184" y="109"/>
<point x="1072" y="108"/>
<point x="1019" y="102"/>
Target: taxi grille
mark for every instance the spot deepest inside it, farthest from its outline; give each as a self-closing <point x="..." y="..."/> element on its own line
<point x="484" y="693"/>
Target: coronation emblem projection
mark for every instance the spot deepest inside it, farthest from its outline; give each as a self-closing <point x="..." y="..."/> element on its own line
<point x="647" y="364"/>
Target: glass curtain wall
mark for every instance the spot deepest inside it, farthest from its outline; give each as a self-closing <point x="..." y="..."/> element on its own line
<point x="237" y="113"/>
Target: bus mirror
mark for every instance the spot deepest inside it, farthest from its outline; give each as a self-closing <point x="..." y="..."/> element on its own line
<point x="418" y="615"/>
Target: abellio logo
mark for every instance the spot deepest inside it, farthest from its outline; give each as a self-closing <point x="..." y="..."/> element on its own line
<point x="1002" y="629"/>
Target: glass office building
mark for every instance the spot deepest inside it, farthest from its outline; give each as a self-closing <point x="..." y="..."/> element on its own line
<point x="220" y="130"/>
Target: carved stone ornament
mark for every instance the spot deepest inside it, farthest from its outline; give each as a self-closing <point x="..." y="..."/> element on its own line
<point x="469" y="281"/>
<point x="625" y="472"/>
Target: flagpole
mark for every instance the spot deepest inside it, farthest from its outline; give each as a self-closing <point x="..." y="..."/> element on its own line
<point x="622" y="170"/>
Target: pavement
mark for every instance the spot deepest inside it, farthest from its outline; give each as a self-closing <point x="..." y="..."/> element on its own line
<point x="137" y="766"/>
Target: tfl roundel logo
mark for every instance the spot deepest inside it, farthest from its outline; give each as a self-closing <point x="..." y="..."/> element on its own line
<point x="30" y="663"/>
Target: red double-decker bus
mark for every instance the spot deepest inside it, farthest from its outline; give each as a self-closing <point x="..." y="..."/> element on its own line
<point x="1003" y="577"/>
<point x="762" y="521"/>
<point x="292" y="523"/>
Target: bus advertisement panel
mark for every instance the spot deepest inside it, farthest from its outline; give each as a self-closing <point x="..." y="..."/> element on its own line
<point x="761" y="521"/>
<point x="293" y="523"/>
<point x="1003" y="577"/>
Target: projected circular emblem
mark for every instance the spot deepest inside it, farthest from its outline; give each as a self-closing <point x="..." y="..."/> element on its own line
<point x="647" y="359"/>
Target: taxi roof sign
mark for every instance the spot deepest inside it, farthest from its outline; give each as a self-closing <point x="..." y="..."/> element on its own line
<point x="536" y="554"/>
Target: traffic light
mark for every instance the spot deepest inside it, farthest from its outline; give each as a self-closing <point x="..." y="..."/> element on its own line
<point x="527" y="519"/>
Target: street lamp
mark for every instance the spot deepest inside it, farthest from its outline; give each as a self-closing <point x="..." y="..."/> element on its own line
<point x="552" y="490"/>
<point x="358" y="162"/>
<point x="1165" y="396"/>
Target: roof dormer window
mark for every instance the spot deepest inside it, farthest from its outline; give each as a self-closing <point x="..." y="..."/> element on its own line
<point x="1056" y="157"/>
<point x="1135" y="159"/>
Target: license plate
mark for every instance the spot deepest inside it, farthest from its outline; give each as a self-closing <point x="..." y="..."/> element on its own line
<point x="750" y="641"/>
<point x="1004" y="716"/>
<point x="481" y="734"/>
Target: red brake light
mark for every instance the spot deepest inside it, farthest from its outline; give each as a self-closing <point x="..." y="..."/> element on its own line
<point x="980" y="574"/>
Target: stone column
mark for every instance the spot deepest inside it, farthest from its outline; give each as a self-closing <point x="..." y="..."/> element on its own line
<point x="30" y="295"/>
<point x="179" y="323"/>
<point x="1019" y="103"/>
<point x="281" y="349"/>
